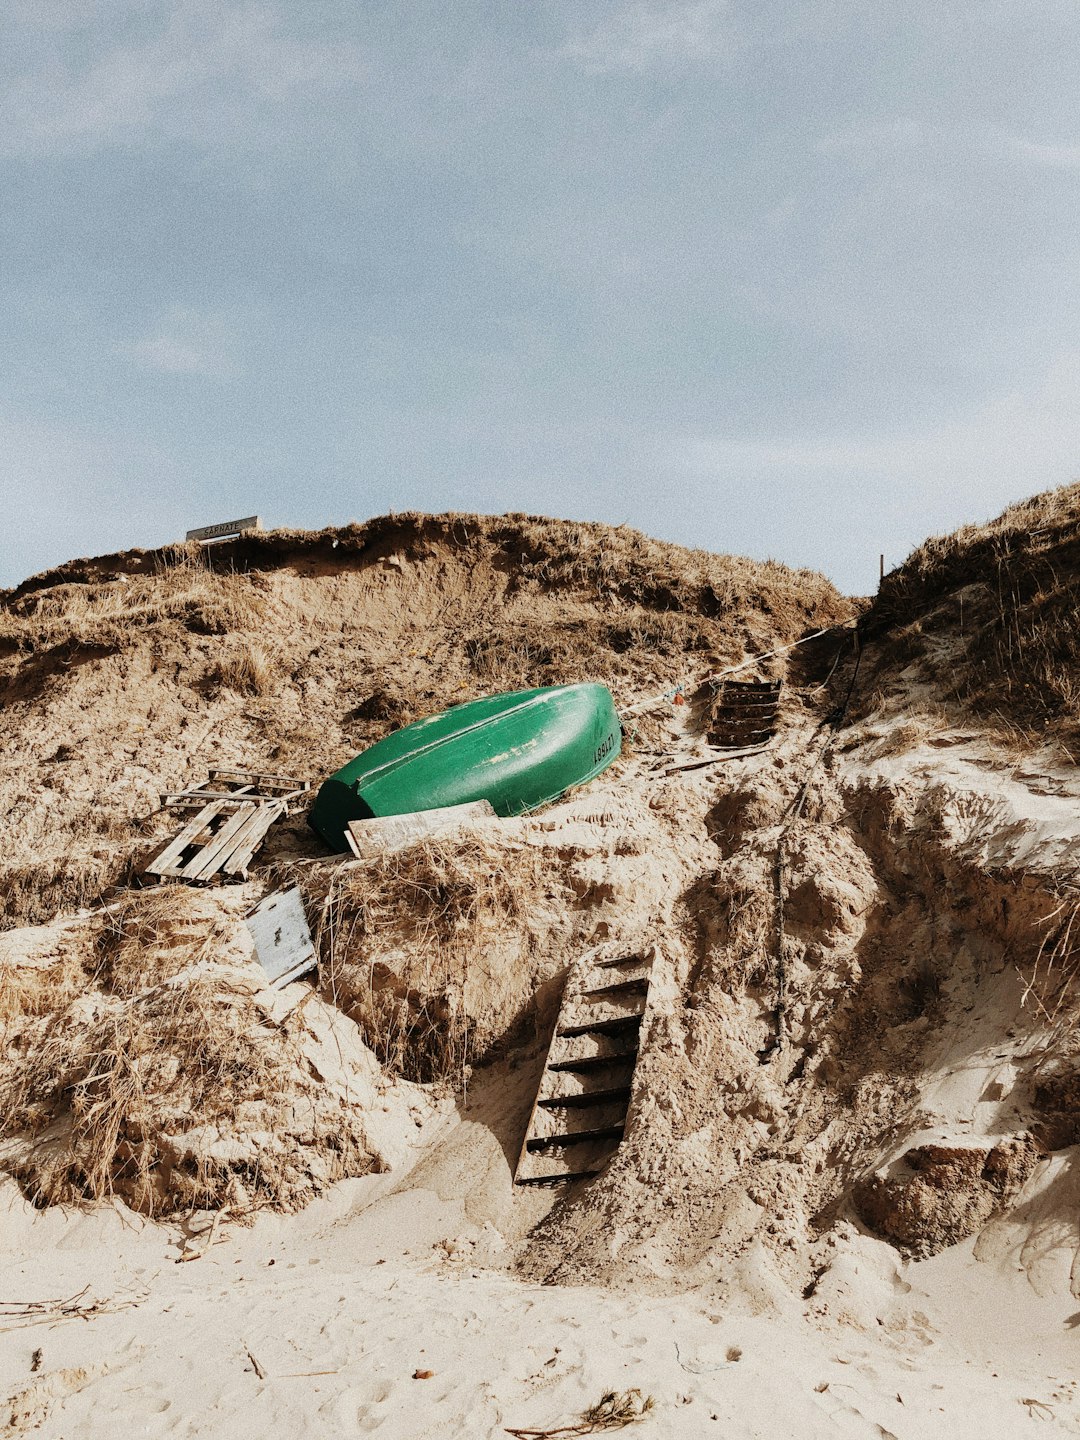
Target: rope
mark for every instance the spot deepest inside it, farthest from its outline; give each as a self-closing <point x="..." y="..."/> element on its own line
<point x="680" y="689"/>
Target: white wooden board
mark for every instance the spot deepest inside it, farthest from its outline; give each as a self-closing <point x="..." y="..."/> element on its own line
<point x="282" y="939"/>
<point x="391" y="832"/>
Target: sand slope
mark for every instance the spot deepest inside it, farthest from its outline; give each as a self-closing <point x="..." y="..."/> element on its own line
<point x="847" y="1199"/>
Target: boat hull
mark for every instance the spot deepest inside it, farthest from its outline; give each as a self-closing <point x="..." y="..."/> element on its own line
<point x="517" y="751"/>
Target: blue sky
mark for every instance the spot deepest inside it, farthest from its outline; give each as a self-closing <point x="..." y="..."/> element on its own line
<point x="797" y="280"/>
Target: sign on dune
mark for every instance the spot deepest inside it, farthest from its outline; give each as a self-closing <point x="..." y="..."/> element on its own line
<point x="225" y="529"/>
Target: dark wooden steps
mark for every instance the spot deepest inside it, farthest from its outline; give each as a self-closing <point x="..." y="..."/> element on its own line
<point x="567" y="1178"/>
<point x="585" y="1099"/>
<point x="639" y="985"/>
<point x="617" y="1025"/>
<point x="595" y="1046"/>
<point x="584" y="1064"/>
<point x="574" y="1137"/>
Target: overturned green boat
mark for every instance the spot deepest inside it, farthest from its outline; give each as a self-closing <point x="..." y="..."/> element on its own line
<point x="517" y="751"/>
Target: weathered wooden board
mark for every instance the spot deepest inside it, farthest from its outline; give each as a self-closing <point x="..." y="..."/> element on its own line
<point x="283" y="942"/>
<point x="164" y="863"/>
<point x="203" y="864"/>
<point x="390" y="832"/>
<point x="265" y="783"/>
<point x="225" y="529"/>
<point x="221" y="838"/>
<point x="248" y="839"/>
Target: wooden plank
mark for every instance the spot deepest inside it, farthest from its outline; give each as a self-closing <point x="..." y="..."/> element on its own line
<point x="283" y="943"/>
<point x="391" y="832"/>
<point x="240" y="858"/>
<point x="638" y="985"/>
<point x="743" y="710"/>
<point x="258" y="777"/>
<point x="203" y="863"/>
<point x="559" y="1120"/>
<point x="565" y="1165"/>
<point x="206" y="861"/>
<point x="549" y="1180"/>
<point x="163" y="862"/>
<point x="749" y="687"/>
<point x="244" y="842"/>
<point x="587" y="1064"/>
<point x="585" y="1099"/>
<point x="578" y="1137"/>
<point x="617" y="1025"/>
<point x="183" y="798"/>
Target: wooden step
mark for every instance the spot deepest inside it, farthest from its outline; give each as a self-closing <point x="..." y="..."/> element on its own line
<point x="585" y="1099"/>
<point x="618" y="1025"/>
<point x="748" y="687"/>
<point x="567" y="1178"/>
<point x="585" y="1064"/>
<point x="577" y="1137"/>
<point x="751" y="708"/>
<point x="603" y="1116"/>
<point x="564" y="1164"/>
<point x="638" y="985"/>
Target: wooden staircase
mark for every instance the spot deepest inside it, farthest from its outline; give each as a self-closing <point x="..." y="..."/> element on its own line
<point x="579" y="1116"/>
<point x="743" y="713"/>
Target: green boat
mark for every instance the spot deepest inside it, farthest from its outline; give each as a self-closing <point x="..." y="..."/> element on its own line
<point x="517" y="751"/>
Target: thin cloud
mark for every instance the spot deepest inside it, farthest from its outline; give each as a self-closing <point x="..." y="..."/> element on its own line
<point x="1050" y="157"/>
<point x="188" y="342"/>
<point x="1027" y="439"/>
<point x="902" y="133"/>
<point x="201" y="58"/>
<point x="911" y="133"/>
<point x="642" y="36"/>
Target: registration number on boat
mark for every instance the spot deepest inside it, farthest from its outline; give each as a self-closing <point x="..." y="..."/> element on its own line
<point x="605" y="748"/>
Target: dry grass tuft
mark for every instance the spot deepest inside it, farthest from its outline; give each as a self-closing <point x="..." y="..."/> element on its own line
<point x="1008" y="592"/>
<point x="617" y="1409"/>
<point x="128" y="1073"/>
<point x="110" y="613"/>
<point x="248" y="669"/>
<point x="426" y="947"/>
<point x="29" y="991"/>
<point x="147" y="1061"/>
<point x="613" y="1411"/>
<point x="34" y="893"/>
<point x="152" y="935"/>
<point x="1052" y="984"/>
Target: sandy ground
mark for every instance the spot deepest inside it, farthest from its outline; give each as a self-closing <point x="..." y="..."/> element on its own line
<point x="323" y="1323"/>
<point x="341" y="1312"/>
<point x="742" y="1296"/>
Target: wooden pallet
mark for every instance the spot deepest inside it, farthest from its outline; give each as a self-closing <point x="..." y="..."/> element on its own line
<point x="579" y="1116"/>
<point x="239" y="784"/>
<point x="236" y="809"/>
<point x="743" y="713"/>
